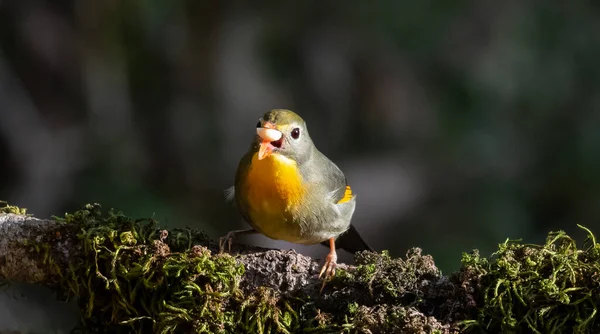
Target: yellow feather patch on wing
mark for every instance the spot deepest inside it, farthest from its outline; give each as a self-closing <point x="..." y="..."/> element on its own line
<point x="347" y="195"/>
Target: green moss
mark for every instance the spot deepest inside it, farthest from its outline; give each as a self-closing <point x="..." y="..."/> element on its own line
<point x="549" y="288"/>
<point x="391" y="319"/>
<point x="395" y="295"/>
<point x="387" y="277"/>
<point x="521" y="288"/>
<point x="6" y="208"/>
<point x="133" y="277"/>
<point x="264" y="311"/>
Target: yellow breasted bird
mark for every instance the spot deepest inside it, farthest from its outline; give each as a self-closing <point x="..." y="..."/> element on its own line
<point x="288" y="190"/>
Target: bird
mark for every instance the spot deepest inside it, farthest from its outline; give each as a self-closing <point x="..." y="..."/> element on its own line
<point x="286" y="189"/>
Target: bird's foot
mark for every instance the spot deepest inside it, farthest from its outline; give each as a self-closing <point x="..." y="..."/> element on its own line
<point x="228" y="238"/>
<point x="328" y="270"/>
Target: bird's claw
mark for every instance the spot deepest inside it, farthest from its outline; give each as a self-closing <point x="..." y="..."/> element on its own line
<point x="328" y="270"/>
<point x="227" y="239"/>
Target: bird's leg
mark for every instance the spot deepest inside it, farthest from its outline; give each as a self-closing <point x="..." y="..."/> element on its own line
<point x="228" y="238"/>
<point x="330" y="264"/>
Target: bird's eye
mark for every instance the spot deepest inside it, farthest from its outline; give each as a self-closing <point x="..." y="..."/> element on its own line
<point x="296" y="133"/>
<point x="258" y="125"/>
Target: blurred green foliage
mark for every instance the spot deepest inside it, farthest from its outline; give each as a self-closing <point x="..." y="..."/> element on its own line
<point x="461" y="123"/>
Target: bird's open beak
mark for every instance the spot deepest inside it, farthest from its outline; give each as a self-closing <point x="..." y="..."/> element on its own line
<point x="271" y="139"/>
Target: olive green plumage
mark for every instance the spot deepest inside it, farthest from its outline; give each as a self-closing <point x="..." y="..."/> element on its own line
<point x="320" y="215"/>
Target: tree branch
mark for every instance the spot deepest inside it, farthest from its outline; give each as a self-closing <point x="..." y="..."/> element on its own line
<point x="275" y="284"/>
<point x="130" y="276"/>
<point x="20" y="258"/>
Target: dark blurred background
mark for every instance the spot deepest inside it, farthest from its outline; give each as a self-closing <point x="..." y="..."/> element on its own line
<point x="459" y="124"/>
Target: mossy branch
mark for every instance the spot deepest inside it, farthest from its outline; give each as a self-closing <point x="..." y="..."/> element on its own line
<point x="130" y="276"/>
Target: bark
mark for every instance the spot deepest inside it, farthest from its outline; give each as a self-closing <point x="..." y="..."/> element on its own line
<point x="19" y="260"/>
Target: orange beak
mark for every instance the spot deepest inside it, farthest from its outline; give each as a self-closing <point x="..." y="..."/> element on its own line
<point x="271" y="138"/>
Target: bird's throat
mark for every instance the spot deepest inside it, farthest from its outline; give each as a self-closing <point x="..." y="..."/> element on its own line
<point x="274" y="187"/>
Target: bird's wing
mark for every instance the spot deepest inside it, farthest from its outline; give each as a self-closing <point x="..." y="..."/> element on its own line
<point x="339" y="191"/>
<point x="344" y="202"/>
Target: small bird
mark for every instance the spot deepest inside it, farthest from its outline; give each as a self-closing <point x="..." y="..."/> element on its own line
<point x="288" y="190"/>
